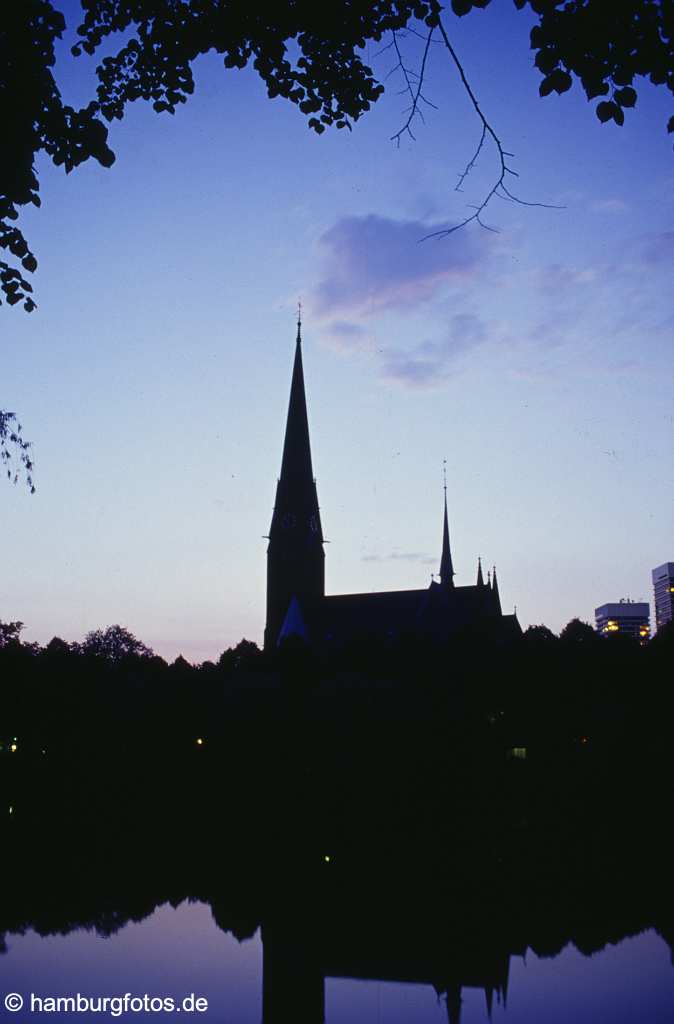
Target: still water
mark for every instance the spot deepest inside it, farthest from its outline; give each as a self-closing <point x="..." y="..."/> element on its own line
<point x="180" y="951"/>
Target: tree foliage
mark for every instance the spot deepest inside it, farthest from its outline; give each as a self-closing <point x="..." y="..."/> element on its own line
<point x="539" y="637"/>
<point x="578" y="632"/>
<point x="10" y="633"/>
<point x="14" y="449"/>
<point x="114" y="643"/>
<point x="310" y="54"/>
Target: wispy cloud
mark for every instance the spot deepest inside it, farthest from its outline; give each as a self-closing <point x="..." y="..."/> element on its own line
<point x="429" y="364"/>
<point x="373" y="268"/>
<point x="658" y="248"/>
<point x="609" y="206"/>
<point x="556" y="277"/>
<point x="402" y="556"/>
<point x="373" y="264"/>
<point x="347" y="335"/>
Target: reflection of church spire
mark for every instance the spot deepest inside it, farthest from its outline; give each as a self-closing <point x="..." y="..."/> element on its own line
<point x="446" y="567"/>
<point x="453" y="997"/>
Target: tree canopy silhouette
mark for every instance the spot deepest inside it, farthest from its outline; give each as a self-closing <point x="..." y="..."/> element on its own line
<point x="578" y="632"/>
<point x="114" y="643"/>
<point x="307" y="53"/>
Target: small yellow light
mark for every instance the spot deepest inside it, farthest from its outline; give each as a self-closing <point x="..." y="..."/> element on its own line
<point x="13" y="748"/>
<point x="200" y="742"/>
<point x="326" y="858"/>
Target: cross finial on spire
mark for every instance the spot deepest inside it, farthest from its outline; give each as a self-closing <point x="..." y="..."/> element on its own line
<point x="444" y="475"/>
<point x="299" y="319"/>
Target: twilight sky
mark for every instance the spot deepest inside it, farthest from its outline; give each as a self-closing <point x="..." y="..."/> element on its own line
<point x="153" y="378"/>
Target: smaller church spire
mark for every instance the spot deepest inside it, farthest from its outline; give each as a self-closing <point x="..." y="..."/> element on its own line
<point x="480" y="577"/>
<point x="494" y="587"/>
<point x="446" y="567"/>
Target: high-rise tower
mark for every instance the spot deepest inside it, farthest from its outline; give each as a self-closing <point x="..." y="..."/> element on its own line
<point x="295" y="555"/>
<point x="663" y="592"/>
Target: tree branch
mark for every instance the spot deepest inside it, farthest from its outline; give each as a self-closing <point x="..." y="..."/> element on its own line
<point x="499" y="188"/>
<point x="10" y="434"/>
<point x="415" y="95"/>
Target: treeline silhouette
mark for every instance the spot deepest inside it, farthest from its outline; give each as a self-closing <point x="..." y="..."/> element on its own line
<point x="475" y="797"/>
<point x="444" y="900"/>
<point x="542" y="729"/>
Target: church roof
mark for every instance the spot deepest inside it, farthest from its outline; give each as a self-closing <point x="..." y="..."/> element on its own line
<point x="433" y="611"/>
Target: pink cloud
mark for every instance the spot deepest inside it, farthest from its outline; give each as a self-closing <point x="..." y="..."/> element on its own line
<point x="372" y="264"/>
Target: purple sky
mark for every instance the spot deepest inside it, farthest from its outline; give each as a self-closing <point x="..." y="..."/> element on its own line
<point x="153" y="378"/>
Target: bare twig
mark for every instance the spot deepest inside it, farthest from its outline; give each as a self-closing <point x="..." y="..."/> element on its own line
<point x="415" y="94"/>
<point x="499" y="188"/>
<point x="471" y="163"/>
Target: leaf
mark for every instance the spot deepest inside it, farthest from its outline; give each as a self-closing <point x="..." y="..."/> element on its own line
<point x="546" y="86"/>
<point x="626" y="97"/>
<point x="670" y="125"/>
<point x="546" y="61"/>
<point x="562" y="81"/>
<point x="605" y="111"/>
<point x="29" y="263"/>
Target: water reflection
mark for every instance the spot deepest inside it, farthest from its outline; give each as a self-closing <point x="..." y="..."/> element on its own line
<point x="278" y="900"/>
<point x="178" y="951"/>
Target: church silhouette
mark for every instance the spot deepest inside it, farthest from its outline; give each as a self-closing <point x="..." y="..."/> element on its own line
<point x="297" y="605"/>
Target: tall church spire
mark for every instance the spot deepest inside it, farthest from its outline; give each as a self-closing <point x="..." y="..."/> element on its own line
<point x="295" y="556"/>
<point x="296" y="462"/>
<point x="446" y="568"/>
<point x="480" y="577"/>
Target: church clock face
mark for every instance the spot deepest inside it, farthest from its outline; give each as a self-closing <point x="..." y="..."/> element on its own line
<point x="288" y="521"/>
